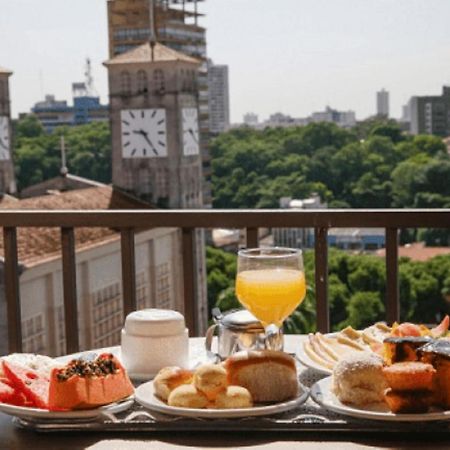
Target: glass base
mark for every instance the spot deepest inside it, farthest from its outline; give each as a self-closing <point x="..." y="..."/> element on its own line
<point x="274" y="338"/>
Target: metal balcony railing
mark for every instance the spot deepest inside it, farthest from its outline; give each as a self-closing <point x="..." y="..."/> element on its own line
<point x="188" y="221"/>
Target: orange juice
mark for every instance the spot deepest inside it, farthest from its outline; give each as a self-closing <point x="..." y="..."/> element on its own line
<point x="271" y="294"/>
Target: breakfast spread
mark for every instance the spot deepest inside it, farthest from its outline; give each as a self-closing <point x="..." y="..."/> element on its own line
<point x="245" y="378"/>
<point x="326" y="350"/>
<point x="35" y="381"/>
<point x="410" y="374"/>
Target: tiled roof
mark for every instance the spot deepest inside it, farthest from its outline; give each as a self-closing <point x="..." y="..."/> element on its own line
<point x="144" y="53"/>
<point x="417" y="251"/>
<point x="3" y="71"/>
<point x="38" y="244"/>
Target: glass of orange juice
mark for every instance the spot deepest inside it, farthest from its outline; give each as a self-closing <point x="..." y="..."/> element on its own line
<point x="270" y="283"/>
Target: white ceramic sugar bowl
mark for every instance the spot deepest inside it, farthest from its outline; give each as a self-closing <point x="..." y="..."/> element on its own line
<point x="153" y="339"/>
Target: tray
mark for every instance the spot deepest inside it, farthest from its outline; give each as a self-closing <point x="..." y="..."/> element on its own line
<point x="309" y="417"/>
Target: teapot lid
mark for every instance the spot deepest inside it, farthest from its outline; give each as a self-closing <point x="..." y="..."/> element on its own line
<point x="241" y="320"/>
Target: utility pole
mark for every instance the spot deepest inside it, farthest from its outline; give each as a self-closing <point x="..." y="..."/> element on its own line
<point x="151" y="13"/>
<point x="64" y="170"/>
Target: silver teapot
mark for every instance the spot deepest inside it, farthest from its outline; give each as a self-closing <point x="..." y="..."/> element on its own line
<point x="236" y="330"/>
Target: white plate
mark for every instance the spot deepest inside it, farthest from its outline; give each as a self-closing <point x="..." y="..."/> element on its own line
<point x="321" y="393"/>
<point x="146" y="397"/>
<point x="27" y="412"/>
<point x="303" y="357"/>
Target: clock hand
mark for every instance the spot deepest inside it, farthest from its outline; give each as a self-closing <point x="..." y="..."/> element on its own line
<point x="191" y="132"/>
<point x="145" y="136"/>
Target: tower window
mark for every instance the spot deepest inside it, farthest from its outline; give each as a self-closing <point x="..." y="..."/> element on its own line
<point x="125" y="83"/>
<point x="142" y="82"/>
<point x="158" y="80"/>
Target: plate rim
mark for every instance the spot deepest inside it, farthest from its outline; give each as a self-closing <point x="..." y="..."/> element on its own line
<point x="163" y="408"/>
<point x="324" y="384"/>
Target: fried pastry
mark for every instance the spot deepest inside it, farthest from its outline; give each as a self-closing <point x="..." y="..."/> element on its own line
<point x="187" y="396"/>
<point x="210" y="379"/>
<point x="234" y="397"/>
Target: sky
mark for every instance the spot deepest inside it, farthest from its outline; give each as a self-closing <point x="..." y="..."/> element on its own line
<point x="289" y="56"/>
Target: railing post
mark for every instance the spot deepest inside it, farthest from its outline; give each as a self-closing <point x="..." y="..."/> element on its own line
<point x="189" y="277"/>
<point x="321" y="278"/>
<point x="12" y="293"/>
<point x="128" y="271"/>
<point x="70" y="290"/>
<point x="252" y="237"/>
<point x="392" y="282"/>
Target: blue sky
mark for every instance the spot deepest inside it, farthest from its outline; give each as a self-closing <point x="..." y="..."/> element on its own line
<point x="293" y="56"/>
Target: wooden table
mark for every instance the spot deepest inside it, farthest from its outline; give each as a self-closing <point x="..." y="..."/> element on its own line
<point x="12" y="437"/>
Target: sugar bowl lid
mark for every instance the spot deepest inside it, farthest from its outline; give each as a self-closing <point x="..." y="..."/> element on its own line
<point x="241" y="320"/>
<point x="154" y="322"/>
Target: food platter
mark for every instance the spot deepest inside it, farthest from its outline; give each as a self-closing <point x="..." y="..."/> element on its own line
<point x="322" y="394"/>
<point x="40" y="413"/>
<point x="43" y="414"/>
<point x="145" y="395"/>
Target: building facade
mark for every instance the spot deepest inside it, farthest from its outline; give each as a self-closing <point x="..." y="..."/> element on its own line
<point x="86" y="108"/>
<point x="219" y="98"/>
<point x="344" y="119"/>
<point x="7" y="177"/>
<point x="383" y="103"/>
<point x="99" y="275"/>
<point x="430" y="114"/>
<point x="174" y="24"/>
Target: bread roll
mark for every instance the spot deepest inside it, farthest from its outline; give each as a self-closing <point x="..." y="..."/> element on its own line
<point x="210" y="379"/>
<point x="234" y="397"/>
<point x="170" y="378"/>
<point x="187" y="396"/>
<point x="268" y="375"/>
<point x="358" y="379"/>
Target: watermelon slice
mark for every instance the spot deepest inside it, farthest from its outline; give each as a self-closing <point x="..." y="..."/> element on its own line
<point x="27" y="381"/>
<point x="12" y="396"/>
<point x="7" y="393"/>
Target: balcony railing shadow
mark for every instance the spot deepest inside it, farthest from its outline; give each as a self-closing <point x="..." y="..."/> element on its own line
<point x="188" y="221"/>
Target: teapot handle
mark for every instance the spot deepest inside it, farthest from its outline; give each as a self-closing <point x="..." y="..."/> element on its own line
<point x="208" y="342"/>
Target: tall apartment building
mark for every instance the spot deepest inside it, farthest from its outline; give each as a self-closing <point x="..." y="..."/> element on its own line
<point x="431" y="114"/>
<point x="174" y="24"/>
<point x="383" y="103"/>
<point x="219" y="97"/>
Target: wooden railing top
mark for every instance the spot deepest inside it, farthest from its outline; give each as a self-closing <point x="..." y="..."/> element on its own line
<point x="236" y="218"/>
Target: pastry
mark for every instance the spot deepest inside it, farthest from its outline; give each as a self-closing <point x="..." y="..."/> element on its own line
<point x="170" y="378"/>
<point x="358" y="379"/>
<point x="269" y="376"/>
<point x="408" y="401"/>
<point x="83" y="384"/>
<point x="400" y="349"/>
<point x="233" y="397"/>
<point x="210" y="379"/>
<point x="409" y="376"/>
<point x="187" y="396"/>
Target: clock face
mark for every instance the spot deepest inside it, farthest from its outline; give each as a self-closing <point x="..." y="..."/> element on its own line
<point x="143" y="133"/>
<point x="190" y="131"/>
<point x="4" y="138"/>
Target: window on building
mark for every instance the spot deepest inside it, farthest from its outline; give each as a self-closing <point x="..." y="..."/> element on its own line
<point x="159" y="81"/>
<point x="163" y="286"/>
<point x="33" y="338"/>
<point x="142" y="291"/>
<point x="107" y="315"/>
<point x="125" y="83"/>
<point x="142" y="81"/>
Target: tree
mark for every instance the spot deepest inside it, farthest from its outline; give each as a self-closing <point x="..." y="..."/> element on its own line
<point x="364" y="308"/>
<point x="29" y="127"/>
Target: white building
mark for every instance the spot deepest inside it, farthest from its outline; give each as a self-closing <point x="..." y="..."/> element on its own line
<point x="98" y="265"/>
<point x="383" y="103"/>
<point x="297" y="237"/>
<point x="345" y="119"/>
<point x="251" y="119"/>
<point x="219" y="97"/>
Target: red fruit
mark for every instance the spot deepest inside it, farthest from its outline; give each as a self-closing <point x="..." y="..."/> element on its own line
<point x="441" y="329"/>
<point x="407" y="329"/>
<point x="7" y="393"/>
<point x="33" y="385"/>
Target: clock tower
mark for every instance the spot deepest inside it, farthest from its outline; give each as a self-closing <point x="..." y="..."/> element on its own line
<point x="154" y="125"/>
<point x="7" y="179"/>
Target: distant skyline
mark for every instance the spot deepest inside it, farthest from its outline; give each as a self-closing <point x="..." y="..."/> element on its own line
<point x="290" y="56"/>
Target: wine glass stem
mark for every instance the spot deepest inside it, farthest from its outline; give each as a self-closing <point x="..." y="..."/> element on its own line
<point x="274" y="338"/>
